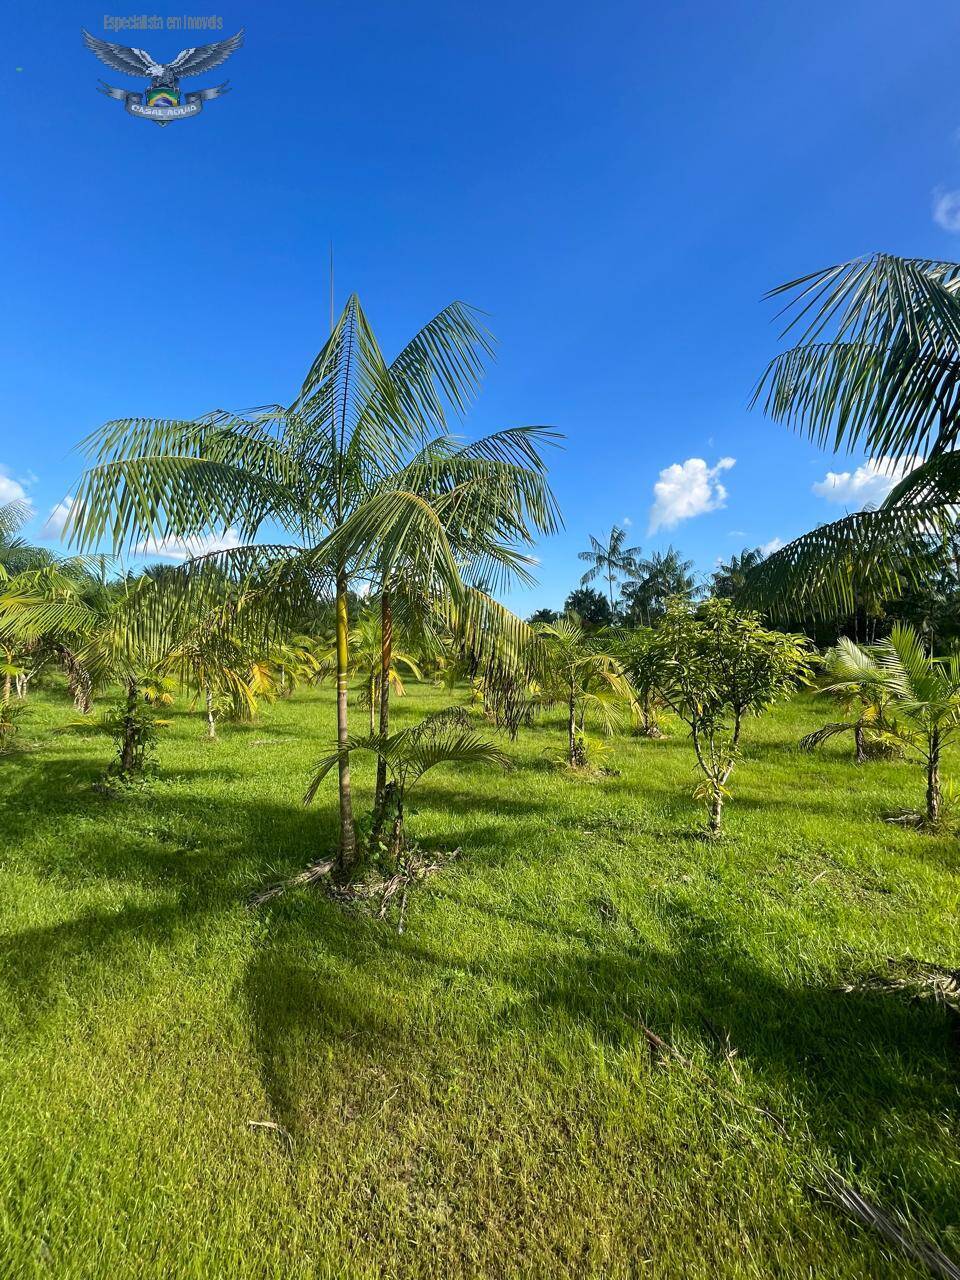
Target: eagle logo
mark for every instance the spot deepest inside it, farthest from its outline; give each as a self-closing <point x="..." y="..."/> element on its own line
<point x="161" y="102"/>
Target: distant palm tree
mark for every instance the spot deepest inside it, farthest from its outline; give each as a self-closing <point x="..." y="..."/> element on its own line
<point x="728" y="578"/>
<point x="611" y="562"/>
<point x="661" y="577"/>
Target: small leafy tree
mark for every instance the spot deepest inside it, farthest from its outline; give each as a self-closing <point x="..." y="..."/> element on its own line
<point x="445" y="737"/>
<point x="719" y="667"/>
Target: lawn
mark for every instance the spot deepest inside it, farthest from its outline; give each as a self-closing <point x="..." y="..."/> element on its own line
<point x="189" y="1088"/>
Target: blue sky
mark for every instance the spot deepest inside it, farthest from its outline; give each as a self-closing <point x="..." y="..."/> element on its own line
<point x="617" y="185"/>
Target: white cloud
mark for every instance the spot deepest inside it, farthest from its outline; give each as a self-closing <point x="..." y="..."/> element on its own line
<point x="54" y="524"/>
<point x="870" y="483"/>
<point x="178" y="549"/>
<point x="11" y="490"/>
<point x="687" y="489"/>
<point x="626" y="522"/>
<point x="946" y="209"/>
<point x="768" y="548"/>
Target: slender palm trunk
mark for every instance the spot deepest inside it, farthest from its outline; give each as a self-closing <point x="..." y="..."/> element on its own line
<point x="372" y="699"/>
<point x="386" y="662"/>
<point x="934" y="795"/>
<point x="347" y="849"/>
<point x="859" y="742"/>
<point x="7" y="685"/>
<point x="129" y="762"/>
<point x="211" y="718"/>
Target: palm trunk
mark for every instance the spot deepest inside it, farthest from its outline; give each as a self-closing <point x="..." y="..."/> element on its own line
<point x="572" y="727"/>
<point x="371" y="699"/>
<point x="859" y="742"/>
<point x="386" y="662"/>
<point x="211" y="719"/>
<point x="128" y="746"/>
<point x="934" y="796"/>
<point x="347" y="848"/>
<point x="7" y="687"/>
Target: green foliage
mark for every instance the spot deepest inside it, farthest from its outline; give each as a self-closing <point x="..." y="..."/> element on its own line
<point x="590" y="606"/>
<point x="10" y="716"/>
<point x="581" y="673"/>
<point x="662" y="577"/>
<point x="916" y="693"/>
<point x="444" y="737"/>
<point x="877" y="369"/>
<point x="718" y="666"/>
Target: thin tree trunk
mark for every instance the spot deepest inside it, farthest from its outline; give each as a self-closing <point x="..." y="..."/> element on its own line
<point x="859" y="741"/>
<point x="211" y="719"/>
<point x="386" y="662"/>
<point x="128" y="745"/>
<point x="7" y="685"/>
<point x="347" y="849"/>
<point x="372" y="698"/>
<point x="934" y="796"/>
<point x="716" y="811"/>
<point x="572" y="727"/>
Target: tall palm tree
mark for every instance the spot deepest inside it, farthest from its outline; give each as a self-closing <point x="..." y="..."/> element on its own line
<point x="877" y="369"/>
<point x="729" y="578"/>
<point x="342" y="471"/>
<point x="658" y="578"/>
<point x="610" y="560"/>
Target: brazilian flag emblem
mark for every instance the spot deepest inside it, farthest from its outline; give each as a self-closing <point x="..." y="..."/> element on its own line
<point x="163" y="97"/>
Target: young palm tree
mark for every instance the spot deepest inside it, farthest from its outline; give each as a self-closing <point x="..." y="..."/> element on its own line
<point x="922" y="701"/>
<point x="445" y="737"/>
<point x="366" y="661"/>
<point x="343" y="470"/>
<point x="877" y="369"/>
<point x="611" y="561"/>
<point x="580" y="674"/>
<point x="854" y="683"/>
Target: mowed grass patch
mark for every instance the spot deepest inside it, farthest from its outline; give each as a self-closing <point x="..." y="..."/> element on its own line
<point x="189" y="1088"/>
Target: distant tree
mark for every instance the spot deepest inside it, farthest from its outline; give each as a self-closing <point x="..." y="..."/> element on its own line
<point x="661" y="577"/>
<point x="543" y="615"/>
<point x="611" y="561"/>
<point x="728" y="578"/>
<point x="720" y="666"/>
<point x="590" y="606"/>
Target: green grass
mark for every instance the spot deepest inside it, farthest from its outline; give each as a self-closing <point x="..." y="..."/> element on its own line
<point x="473" y="1097"/>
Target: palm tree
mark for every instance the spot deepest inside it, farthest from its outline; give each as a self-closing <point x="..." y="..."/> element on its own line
<point x="345" y="471"/>
<point x="877" y="368"/>
<point x="855" y="684"/>
<point x="445" y="737"/>
<point x="661" y="577"/>
<point x="729" y="578"/>
<point x="583" y="676"/>
<point x="611" y="560"/>
<point x="921" y="700"/>
<point x="366" y="661"/>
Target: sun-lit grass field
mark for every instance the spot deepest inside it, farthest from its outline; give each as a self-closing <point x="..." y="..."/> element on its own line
<point x="189" y="1088"/>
